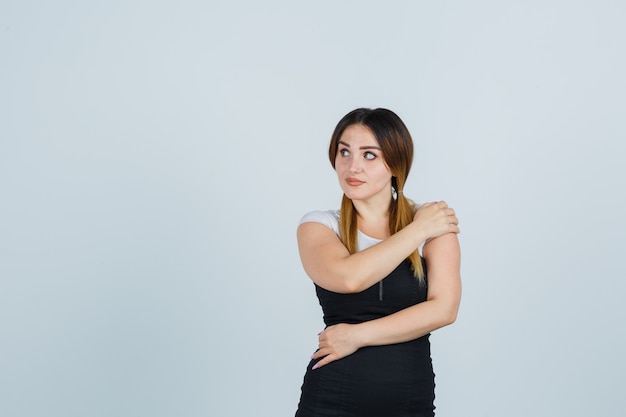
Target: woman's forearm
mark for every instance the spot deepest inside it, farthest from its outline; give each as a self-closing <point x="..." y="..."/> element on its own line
<point x="329" y="264"/>
<point x="408" y="324"/>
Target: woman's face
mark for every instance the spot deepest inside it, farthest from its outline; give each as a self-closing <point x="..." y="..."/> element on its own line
<point x="361" y="169"/>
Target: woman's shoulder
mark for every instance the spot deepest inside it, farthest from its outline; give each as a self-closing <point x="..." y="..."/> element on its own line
<point x="329" y="218"/>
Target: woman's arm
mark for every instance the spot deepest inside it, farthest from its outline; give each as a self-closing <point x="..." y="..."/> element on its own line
<point x="443" y="260"/>
<point x="329" y="264"/>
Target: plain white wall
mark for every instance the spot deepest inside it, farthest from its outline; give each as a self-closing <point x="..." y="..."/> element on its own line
<point x="155" y="158"/>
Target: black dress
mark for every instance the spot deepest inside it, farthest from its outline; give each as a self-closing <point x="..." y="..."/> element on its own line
<point x="376" y="381"/>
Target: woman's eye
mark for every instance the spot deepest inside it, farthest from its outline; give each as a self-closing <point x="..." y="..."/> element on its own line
<point x="344" y="152"/>
<point x="369" y="155"/>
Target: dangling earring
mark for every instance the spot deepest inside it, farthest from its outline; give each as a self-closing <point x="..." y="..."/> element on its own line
<point x="394" y="191"/>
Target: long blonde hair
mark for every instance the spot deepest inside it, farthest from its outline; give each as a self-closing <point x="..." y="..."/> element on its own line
<point x="396" y="143"/>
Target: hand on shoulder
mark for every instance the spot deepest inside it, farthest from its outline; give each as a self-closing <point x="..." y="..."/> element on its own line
<point x="436" y="219"/>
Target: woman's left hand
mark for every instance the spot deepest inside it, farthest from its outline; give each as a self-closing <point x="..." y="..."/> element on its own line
<point x="336" y="342"/>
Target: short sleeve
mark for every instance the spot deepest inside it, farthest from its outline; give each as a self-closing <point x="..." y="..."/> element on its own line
<point x="329" y="218"/>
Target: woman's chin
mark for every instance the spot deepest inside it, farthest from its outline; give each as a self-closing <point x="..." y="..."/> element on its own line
<point x="357" y="196"/>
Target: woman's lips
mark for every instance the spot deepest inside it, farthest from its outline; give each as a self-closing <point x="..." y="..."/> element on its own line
<point x="354" y="182"/>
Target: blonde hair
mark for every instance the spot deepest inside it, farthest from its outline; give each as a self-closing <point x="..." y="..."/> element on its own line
<point x="396" y="143"/>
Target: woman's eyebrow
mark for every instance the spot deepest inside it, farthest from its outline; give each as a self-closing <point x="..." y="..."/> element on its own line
<point x="362" y="147"/>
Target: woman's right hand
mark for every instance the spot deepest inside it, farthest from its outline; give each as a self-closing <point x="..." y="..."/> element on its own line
<point x="436" y="219"/>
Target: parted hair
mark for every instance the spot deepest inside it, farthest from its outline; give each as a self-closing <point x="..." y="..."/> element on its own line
<point x="396" y="144"/>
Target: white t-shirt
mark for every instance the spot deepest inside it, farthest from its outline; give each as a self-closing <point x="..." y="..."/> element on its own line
<point x="330" y="219"/>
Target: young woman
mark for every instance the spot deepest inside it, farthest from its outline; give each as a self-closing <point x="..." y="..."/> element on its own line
<point x="380" y="297"/>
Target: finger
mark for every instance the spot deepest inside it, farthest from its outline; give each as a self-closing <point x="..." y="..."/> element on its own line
<point x="320" y="353"/>
<point x="328" y="359"/>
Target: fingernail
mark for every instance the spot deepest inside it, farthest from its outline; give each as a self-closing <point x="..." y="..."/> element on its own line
<point x="314" y="366"/>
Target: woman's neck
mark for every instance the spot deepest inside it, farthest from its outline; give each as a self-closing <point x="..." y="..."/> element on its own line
<point x="373" y="219"/>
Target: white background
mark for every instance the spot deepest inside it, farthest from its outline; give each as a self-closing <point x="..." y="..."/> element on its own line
<point x="156" y="156"/>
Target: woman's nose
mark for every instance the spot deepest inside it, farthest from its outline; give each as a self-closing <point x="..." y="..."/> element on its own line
<point x="355" y="166"/>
